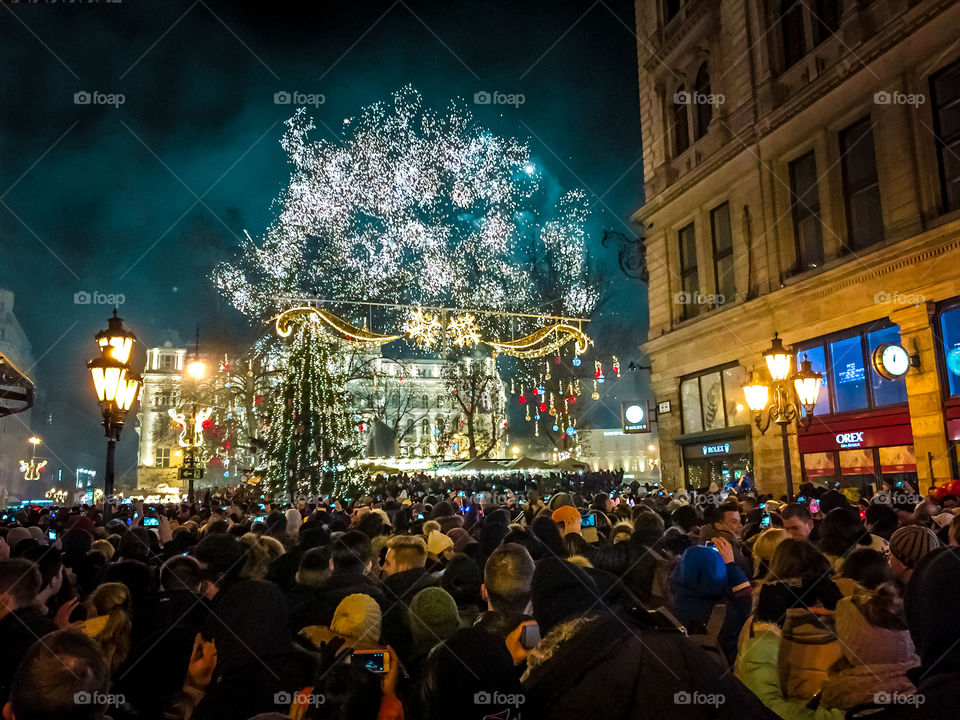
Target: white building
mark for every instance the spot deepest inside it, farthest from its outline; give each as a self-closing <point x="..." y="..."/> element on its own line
<point x="612" y="449"/>
<point x="159" y="454"/>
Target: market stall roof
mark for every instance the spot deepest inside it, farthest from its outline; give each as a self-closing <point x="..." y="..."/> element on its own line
<point x="16" y="389"/>
<point x="571" y="465"/>
<point x="378" y="469"/>
<point x="482" y="465"/>
<point x="528" y="463"/>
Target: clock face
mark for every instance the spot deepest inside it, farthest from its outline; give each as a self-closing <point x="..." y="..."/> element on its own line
<point x="891" y="361"/>
<point x="634" y="414"/>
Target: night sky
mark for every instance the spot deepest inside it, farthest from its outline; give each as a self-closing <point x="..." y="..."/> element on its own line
<point x="143" y="199"/>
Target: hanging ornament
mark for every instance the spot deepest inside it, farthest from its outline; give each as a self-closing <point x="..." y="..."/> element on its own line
<point x="576" y="361"/>
<point x="553" y="411"/>
<point x="556" y="427"/>
<point x="464" y="330"/>
<point x="423" y="327"/>
<point x="596" y="395"/>
<point x="547" y="373"/>
<point x="513" y="390"/>
<point x="522" y="400"/>
<point x="601" y="378"/>
<point x="543" y="407"/>
<point x="557" y="359"/>
<point x="616" y="365"/>
<point x="528" y="413"/>
<point x="536" y="428"/>
<point x="535" y="391"/>
<point x="598" y="370"/>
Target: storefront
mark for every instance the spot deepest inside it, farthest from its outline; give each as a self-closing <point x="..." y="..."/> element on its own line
<point x="948" y="327"/>
<point x="716" y="442"/>
<point x="724" y="458"/>
<point x="860" y="450"/>
<point x="860" y="435"/>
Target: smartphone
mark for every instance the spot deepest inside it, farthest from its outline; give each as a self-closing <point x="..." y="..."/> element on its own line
<point x="588" y="521"/>
<point x="814" y="507"/>
<point x="712" y="545"/>
<point x="466" y="508"/>
<point x="53" y="515"/>
<point x="129" y="521"/>
<point x="530" y="636"/>
<point x="765" y="521"/>
<point x="151" y="522"/>
<point x="376" y="661"/>
<point x="419" y="516"/>
<point x="260" y="519"/>
<point x="52" y="535"/>
<point x="461" y="494"/>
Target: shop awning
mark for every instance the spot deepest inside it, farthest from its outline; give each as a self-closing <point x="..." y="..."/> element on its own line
<point x="16" y="389"/>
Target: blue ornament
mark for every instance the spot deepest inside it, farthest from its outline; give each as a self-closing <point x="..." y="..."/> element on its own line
<point x="571" y="431"/>
<point x="576" y="362"/>
<point x="556" y="427"/>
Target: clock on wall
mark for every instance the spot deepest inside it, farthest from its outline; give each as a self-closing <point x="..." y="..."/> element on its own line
<point x="891" y="361"/>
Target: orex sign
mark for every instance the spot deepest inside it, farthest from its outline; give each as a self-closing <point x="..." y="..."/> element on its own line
<point x="850" y="439"/>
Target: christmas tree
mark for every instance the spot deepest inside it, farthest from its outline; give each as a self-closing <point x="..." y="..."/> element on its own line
<point x="311" y="439"/>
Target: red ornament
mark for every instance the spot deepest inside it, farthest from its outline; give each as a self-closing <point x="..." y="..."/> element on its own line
<point x="543" y="407"/>
<point x="597" y="374"/>
<point x="535" y="391"/>
<point x="207" y="424"/>
<point x="227" y="445"/>
<point x="522" y="399"/>
<point x="572" y="399"/>
<point x="558" y="359"/>
<point x="360" y="427"/>
<point x="258" y="399"/>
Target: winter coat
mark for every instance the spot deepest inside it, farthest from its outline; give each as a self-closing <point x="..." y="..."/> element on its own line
<point x="617" y="667"/>
<point x="757" y="667"/>
<point x="809" y="647"/>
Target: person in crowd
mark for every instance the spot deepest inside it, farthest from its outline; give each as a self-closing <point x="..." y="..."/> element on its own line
<point x="108" y="622"/>
<point x="881" y="520"/>
<point x="908" y="545"/>
<point x="797" y="521"/>
<point x="867" y="568"/>
<point x="434" y="617"/>
<point x="707" y="577"/>
<point x="878" y="652"/>
<point x="351" y="571"/>
<point x="65" y="676"/>
<point x="22" y="621"/>
<point x="725" y="522"/>
<point x="439" y="550"/>
<point x="507" y="578"/>
<point x="568" y="519"/>
<point x="764" y="547"/>
<point x="463" y="580"/>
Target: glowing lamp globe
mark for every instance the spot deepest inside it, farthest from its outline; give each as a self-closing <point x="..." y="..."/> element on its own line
<point x="807" y="384"/>
<point x="777" y="359"/>
<point x="116" y="341"/>
<point x="756" y="392"/>
<point x="196" y="369"/>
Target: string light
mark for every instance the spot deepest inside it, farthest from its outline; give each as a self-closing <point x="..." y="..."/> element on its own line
<point x="422" y="327"/>
<point x="464" y="330"/>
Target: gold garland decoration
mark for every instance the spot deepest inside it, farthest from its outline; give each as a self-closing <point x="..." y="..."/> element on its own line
<point x="346" y="331"/>
<point x="530" y="347"/>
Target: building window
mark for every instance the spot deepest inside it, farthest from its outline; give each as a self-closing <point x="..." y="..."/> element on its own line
<point x="849" y="380"/>
<point x="723" y="254"/>
<point x="162" y="458"/>
<point x="945" y="89"/>
<point x="713" y="400"/>
<point x="792" y="33"/>
<point x="702" y="108"/>
<point x="861" y="188"/>
<point x="166" y="362"/>
<point x="689" y="279"/>
<point x="805" y="199"/>
<point x="950" y="332"/>
<point x="826" y="19"/>
<point x="681" y="129"/>
<point x="671" y="8"/>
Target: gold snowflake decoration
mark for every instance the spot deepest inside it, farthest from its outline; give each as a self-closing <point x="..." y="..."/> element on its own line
<point x="423" y="327"/>
<point x="464" y="331"/>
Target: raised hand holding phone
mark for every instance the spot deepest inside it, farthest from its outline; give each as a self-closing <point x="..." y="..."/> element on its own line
<point x="724" y="548"/>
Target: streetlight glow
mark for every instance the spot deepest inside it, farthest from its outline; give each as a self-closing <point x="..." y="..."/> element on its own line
<point x="196" y="369"/>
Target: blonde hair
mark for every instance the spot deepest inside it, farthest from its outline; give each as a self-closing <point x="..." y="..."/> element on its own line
<point x="113" y="600"/>
<point x="261" y="552"/>
<point x="763" y="549"/>
<point x="105" y="548"/>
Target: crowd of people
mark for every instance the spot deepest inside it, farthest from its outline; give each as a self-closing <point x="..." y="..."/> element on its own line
<point x="430" y="600"/>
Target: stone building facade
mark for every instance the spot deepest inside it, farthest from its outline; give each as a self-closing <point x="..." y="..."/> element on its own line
<point x="802" y="176"/>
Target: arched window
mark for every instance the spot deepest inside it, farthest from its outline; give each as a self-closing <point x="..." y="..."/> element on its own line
<point x="702" y="103"/>
<point x="681" y="130"/>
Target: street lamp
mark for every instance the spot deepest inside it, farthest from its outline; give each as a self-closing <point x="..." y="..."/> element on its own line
<point x="31" y="468"/>
<point x="790" y="393"/>
<point x="117" y="387"/>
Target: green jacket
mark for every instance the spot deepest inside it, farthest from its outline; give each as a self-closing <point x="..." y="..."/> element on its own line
<point x="757" y="668"/>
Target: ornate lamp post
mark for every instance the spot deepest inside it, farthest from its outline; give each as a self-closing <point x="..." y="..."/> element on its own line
<point x="790" y="393"/>
<point x="117" y="387"/>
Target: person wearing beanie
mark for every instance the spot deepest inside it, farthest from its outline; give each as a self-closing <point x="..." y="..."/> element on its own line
<point x="15" y="536"/>
<point x="439" y="546"/>
<point x="568" y="517"/>
<point x="706" y="577"/>
<point x="597" y="662"/>
<point x="37" y="534"/>
<point x="907" y="546"/>
<point x="463" y="542"/>
<point x="877" y="649"/>
<point x="463" y="580"/>
<point x="357" y="620"/>
<point x="433" y="618"/>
